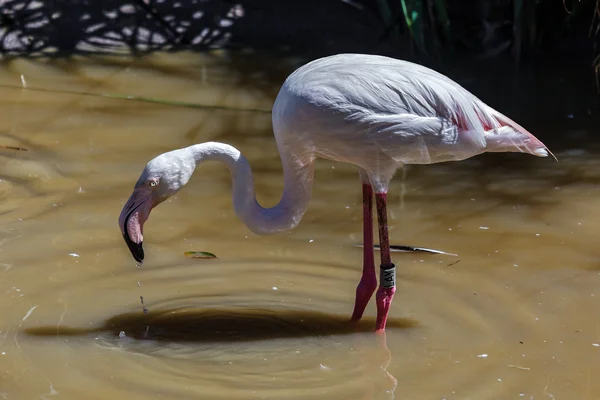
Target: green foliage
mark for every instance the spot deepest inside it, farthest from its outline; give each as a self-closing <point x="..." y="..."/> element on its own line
<point x="488" y="28"/>
<point x="426" y="21"/>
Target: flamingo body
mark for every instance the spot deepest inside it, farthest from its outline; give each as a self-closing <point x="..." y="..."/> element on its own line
<point x="379" y="113"/>
<point x="375" y="112"/>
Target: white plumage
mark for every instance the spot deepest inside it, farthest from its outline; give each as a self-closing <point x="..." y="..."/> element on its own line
<point x="379" y="113"/>
<point x="375" y="112"/>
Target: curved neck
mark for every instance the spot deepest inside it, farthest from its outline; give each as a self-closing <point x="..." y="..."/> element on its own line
<point x="298" y="177"/>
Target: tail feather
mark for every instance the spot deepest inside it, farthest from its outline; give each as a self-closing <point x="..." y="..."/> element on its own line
<point x="508" y="134"/>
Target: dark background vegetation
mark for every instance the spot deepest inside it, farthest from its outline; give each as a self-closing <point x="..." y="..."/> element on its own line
<point x="536" y="59"/>
<point x="517" y="29"/>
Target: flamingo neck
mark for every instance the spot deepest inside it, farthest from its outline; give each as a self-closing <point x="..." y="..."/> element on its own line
<point x="282" y="217"/>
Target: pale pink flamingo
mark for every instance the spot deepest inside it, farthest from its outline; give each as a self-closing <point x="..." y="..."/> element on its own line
<point x="375" y="112"/>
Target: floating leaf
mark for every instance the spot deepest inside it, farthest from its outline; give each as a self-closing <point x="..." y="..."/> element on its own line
<point x="200" y="254"/>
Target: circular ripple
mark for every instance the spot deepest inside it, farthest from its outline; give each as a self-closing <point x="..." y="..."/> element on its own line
<point x="283" y="335"/>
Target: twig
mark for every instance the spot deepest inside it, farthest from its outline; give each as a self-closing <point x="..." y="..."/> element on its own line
<point x="517" y="367"/>
<point x="13" y="148"/>
<point x="174" y="103"/>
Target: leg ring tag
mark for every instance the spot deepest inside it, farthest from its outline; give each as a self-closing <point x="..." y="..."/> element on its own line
<point x="387" y="276"/>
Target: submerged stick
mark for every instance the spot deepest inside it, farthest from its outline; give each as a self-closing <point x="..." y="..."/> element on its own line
<point x="144" y="309"/>
<point x="13" y="148"/>
<point x="411" y="249"/>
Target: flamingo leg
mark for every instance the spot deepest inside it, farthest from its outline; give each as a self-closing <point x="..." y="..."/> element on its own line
<point x="368" y="282"/>
<point x="387" y="279"/>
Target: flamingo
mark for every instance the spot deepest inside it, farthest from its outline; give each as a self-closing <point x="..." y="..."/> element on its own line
<point x="375" y="112"/>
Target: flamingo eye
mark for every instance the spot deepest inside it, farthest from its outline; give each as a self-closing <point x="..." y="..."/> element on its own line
<point x="153" y="183"/>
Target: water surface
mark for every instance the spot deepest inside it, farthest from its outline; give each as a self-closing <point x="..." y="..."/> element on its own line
<point x="514" y="315"/>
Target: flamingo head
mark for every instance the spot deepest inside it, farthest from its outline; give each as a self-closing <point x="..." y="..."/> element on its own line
<point x="162" y="177"/>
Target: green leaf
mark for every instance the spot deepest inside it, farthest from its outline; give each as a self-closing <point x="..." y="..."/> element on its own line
<point x="205" y="255"/>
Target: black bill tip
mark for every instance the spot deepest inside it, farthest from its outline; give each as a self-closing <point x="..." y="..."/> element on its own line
<point x="137" y="250"/>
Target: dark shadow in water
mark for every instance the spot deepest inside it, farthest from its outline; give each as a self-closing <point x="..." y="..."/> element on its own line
<point x="223" y="325"/>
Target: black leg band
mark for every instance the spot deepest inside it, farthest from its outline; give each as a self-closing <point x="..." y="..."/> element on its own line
<point x="387" y="276"/>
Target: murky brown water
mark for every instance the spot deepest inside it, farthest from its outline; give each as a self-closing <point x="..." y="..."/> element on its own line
<point x="515" y="315"/>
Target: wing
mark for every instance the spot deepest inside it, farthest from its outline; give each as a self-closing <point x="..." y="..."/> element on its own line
<point x="396" y="103"/>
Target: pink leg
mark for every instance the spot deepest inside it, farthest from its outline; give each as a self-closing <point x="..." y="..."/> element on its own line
<point x="368" y="282"/>
<point x="387" y="280"/>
